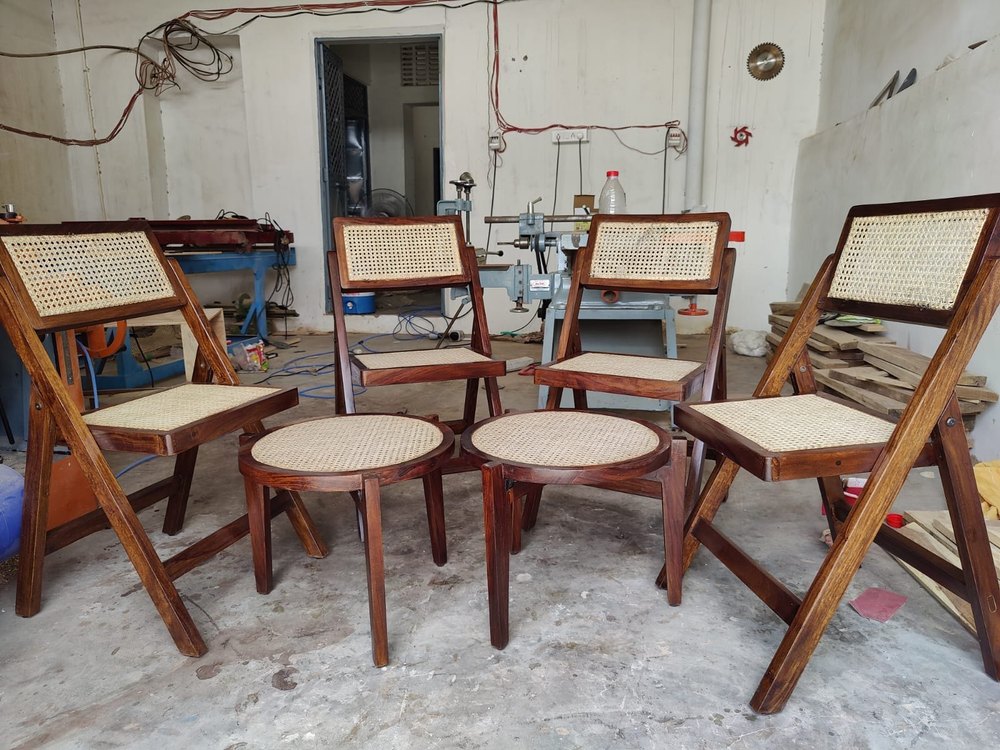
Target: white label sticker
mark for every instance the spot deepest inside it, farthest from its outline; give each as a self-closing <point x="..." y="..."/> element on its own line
<point x="540" y="285"/>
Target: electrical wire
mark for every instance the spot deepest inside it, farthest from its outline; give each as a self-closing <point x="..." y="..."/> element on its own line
<point x="186" y="46"/>
<point x="555" y="186"/>
<point x="90" y="370"/>
<point x="145" y="361"/>
<point x="493" y="198"/>
<point x="134" y="464"/>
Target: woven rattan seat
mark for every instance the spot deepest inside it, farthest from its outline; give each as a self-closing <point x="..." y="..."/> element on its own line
<point x="795" y="423"/>
<point x="420" y="358"/>
<point x="564" y="438"/>
<point x="646" y="368"/>
<point x="337" y="445"/>
<point x="176" y="407"/>
<point x="356" y="453"/>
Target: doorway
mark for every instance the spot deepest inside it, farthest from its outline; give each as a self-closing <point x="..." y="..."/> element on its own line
<point x="380" y="137"/>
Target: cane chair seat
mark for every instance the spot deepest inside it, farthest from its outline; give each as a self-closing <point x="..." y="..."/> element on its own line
<point x="335" y="445"/>
<point x="171" y="421"/>
<point x="176" y="407"/>
<point x="782" y="437"/>
<point x="423" y="357"/>
<point x="564" y="439"/>
<point x="629" y="366"/>
<point x="796" y="423"/>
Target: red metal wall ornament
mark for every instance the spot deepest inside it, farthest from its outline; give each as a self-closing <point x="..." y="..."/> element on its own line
<point x="741" y="136"/>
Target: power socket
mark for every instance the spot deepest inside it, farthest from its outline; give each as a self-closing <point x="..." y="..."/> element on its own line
<point x="579" y="135"/>
<point x="494" y="143"/>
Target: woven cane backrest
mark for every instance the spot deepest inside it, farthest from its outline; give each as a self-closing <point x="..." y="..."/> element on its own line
<point x="78" y="275"/>
<point x="910" y="264"/>
<point x="682" y="251"/>
<point x="395" y="253"/>
<point x="911" y="259"/>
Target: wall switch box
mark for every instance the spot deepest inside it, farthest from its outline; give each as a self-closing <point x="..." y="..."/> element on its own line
<point x="580" y="135"/>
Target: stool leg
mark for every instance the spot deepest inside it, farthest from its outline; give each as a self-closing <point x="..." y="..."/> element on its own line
<point x="517" y="503"/>
<point x="673" y="480"/>
<point x="434" y="498"/>
<point x="372" y="509"/>
<point x="496" y="523"/>
<point x="259" y="513"/>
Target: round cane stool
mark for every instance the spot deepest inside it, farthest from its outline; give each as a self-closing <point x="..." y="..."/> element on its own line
<point x="568" y="447"/>
<point x="356" y="453"/>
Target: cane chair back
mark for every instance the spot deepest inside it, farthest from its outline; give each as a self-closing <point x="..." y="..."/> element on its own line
<point x="668" y="254"/>
<point x="388" y="254"/>
<point x="930" y="262"/>
<point x="54" y="279"/>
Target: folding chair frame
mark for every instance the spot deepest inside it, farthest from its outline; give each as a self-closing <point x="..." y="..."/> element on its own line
<point x="53" y="416"/>
<point x="932" y="415"/>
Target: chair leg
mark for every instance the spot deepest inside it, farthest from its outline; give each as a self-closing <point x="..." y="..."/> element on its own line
<point x="532" y="499"/>
<point x="493" y="397"/>
<point x="705" y="509"/>
<point x="305" y="528"/>
<point x="375" y="565"/>
<point x="496" y="524"/>
<point x="38" y="475"/>
<point x="434" y="499"/>
<point x="173" y="518"/>
<point x="820" y="602"/>
<point x="831" y="492"/>
<point x="259" y="514"/>
<point x="673" y="481"/>
<point x="554" y="397"/>
<point x="471" y="399"/>
<point x="579" y="398"/>
<point x="967" y="520"/>
<point x="694" y="473"/>
<point x="141" y="554"/>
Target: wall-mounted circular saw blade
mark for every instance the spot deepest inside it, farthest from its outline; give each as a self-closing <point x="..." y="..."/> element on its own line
<point x="765" y="61"/>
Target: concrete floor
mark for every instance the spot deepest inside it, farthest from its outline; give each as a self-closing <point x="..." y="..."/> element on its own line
<point x="596" y="656"/>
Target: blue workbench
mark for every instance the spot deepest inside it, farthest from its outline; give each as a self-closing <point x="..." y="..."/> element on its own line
<point x="260" y="262"/>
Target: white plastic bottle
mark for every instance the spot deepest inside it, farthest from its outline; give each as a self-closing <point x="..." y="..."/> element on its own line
<point x="612" y="200"/>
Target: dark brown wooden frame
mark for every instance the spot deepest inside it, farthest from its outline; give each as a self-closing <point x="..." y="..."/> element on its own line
<point x="709" y="380"/>
<point x="480" y="339"/>
<point x="505" y="481"/>
<point x="365" y="488"/>
<point x="53" y="416"/>
<point x="930" y="431"/>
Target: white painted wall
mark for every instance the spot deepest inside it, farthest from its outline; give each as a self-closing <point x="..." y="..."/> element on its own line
<point x="933" y="140"/>
<point x="34" y="174"/>
<point x="571" y="61"/>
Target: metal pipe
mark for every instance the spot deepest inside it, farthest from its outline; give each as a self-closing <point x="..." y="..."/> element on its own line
<point x="697" y="96"/>
<point x="517" y="219"/>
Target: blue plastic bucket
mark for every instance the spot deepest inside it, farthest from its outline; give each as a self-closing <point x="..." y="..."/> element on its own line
<point x="359" y="303"/>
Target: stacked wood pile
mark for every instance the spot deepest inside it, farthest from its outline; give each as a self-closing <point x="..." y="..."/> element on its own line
<point x="860" y="362"/>
<point x="933" y="530"/>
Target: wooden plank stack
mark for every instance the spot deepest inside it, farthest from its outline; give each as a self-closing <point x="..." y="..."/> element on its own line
<point x="933" y="530"/>
<point x="861" y="363"/>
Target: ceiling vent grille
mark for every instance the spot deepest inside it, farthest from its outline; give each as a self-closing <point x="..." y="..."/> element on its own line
<point x="418" y="64"/>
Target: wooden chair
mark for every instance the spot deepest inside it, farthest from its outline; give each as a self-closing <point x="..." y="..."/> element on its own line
<point x="677" y="254"/>
<point x="56" y="279"/>
<point x="928" y="262"/>
<point x="412" y="253"/>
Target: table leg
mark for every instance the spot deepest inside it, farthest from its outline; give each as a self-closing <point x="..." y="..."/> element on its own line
<point x="496" y="523"/>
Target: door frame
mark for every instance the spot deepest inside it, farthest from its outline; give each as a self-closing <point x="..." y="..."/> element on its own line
<point x="385" y="36"/>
